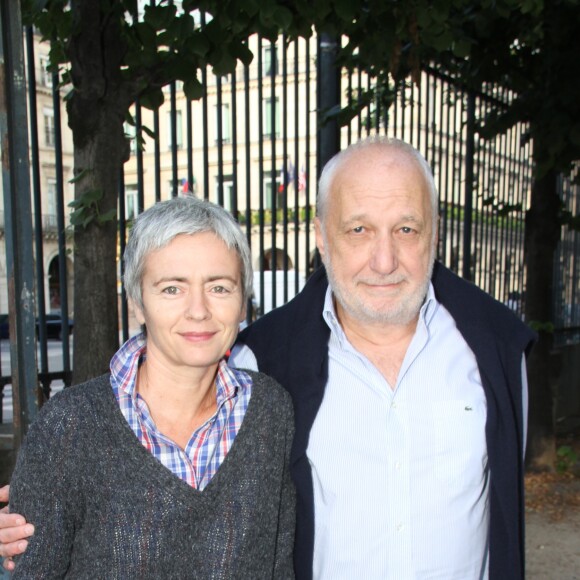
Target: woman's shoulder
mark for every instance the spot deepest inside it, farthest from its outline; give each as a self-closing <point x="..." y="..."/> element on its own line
<point x="269" y="391"/>
<point x="76" y="394"/>
<point x="71" y="404"/>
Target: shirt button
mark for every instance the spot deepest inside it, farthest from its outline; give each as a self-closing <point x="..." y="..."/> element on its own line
<point x="394" y="405"/>
<point x="400" y="527"/>
<point x="398" y="466"/>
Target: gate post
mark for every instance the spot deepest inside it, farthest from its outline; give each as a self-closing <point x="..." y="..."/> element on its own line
<point x="18" y="220"/>
<point x="328" y="97"/>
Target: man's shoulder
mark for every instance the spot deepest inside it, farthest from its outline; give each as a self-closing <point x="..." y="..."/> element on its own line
<point x="469" y="304"/>
<point x="448" y="286"/>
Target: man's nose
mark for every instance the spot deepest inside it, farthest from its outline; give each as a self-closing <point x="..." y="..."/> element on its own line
<point x="383" y="257"/>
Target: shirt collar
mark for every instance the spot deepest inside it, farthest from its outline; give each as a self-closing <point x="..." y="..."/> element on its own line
<point x="126" y="361"/>
<point x="426" y="313"/>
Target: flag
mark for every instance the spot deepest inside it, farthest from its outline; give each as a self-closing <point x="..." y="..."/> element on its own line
<point x="286" y="177"/>
<point x="302" y="179"/>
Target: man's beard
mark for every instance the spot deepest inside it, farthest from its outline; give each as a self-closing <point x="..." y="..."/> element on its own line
<point x="401" y="312"/>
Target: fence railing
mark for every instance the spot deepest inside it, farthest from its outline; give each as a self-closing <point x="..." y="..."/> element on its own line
<point x="252" y="144"/>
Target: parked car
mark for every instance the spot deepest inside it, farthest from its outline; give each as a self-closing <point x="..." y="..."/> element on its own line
<point x="4" y="332"/>
<point x="53" y="326"/>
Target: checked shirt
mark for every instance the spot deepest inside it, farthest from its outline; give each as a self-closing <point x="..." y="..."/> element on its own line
<point x="209" y="444"/>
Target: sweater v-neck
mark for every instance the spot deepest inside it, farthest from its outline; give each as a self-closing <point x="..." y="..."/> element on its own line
<point x="144" y="462"/>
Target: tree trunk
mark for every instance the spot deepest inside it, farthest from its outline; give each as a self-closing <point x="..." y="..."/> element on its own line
<point x="96" y="335"/>
<point x="96" y="111"/>
<point x="542" y="236"/>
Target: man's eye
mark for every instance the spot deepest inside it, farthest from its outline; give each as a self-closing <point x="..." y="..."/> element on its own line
<point x="171" y="290"/>
<point x="358" y="229"/>
<point x="407" y="230"/>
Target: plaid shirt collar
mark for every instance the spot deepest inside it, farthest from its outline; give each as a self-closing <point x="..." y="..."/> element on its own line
<point x="125" y="364"/>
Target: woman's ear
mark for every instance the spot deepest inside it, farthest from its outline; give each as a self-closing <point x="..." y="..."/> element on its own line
<point x="137" y="311"/>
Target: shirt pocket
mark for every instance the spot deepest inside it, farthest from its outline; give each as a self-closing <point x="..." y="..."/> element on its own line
<point x="459" y="441"/>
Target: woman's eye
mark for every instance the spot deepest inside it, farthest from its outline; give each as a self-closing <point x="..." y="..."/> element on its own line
<point x="220" y="290"/>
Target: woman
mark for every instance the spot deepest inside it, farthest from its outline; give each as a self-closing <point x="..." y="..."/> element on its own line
<point x="173" y="465"/>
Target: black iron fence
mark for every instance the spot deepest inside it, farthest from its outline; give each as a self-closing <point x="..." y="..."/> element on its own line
<point x="255" y="144"/>
<point x="566" y="273"/>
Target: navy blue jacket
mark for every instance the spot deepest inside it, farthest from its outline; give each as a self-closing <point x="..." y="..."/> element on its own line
<point x="291" y="344"/>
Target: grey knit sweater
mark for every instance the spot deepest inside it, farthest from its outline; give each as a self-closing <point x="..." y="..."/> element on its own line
<point x="104" y="507"/>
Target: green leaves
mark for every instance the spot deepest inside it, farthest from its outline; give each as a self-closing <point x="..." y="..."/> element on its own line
<point x="86" y="209"/>
<point x="566" y="458"/>
<point x="193" y="89"/>
<point x="152" y="98"/>
<point x="160" y="17"/>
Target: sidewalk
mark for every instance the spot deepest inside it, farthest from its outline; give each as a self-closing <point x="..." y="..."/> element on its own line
<point x="553" y="524"/>
<point x="553" y="547"/>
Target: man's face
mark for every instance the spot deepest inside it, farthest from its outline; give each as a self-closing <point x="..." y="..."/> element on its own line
<point x="377" y="239"/>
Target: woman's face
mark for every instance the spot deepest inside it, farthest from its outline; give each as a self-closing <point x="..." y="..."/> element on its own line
<point x="192" y="302"/>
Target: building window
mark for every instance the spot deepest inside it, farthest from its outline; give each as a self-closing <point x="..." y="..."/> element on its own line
<point x="273" y="188"/>
<point x="131" y="135"/>
<point x="48" y="127"/>
<point x="50" y="217"/>
<point x="271" y="109"/>
<point x="45" y="74"/>
<point x="228" y="191"/>
<point x="270" y="60"/>
<point x="131" y="201"/>
<point x="178" y="130"/>
<point x="226" y="132"/>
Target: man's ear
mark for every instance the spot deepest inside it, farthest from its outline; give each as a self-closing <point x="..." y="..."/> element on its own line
<point x="319" y="237"/>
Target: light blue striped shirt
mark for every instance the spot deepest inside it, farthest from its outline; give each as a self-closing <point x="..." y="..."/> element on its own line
<point x="401" y="479"/>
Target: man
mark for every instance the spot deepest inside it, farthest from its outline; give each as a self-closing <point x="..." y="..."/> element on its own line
<point x="409" y="396"/>
<point x="408" y="387"/>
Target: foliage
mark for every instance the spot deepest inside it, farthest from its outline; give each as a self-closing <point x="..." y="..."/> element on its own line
<point x="527" y="47"/>
<point x="531" y="52"/>
<point x="566" y="458"/>
<point x="539" y="326"/>
<point x="86" y="209"/>
<point x="289" y="214"/>
<point x="167" y="41"/>
<point x="164" y="42"/>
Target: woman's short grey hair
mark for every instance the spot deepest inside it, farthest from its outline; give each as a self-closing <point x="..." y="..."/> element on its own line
<point x="330" y="169"/>
<point x="160" y="224"/>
